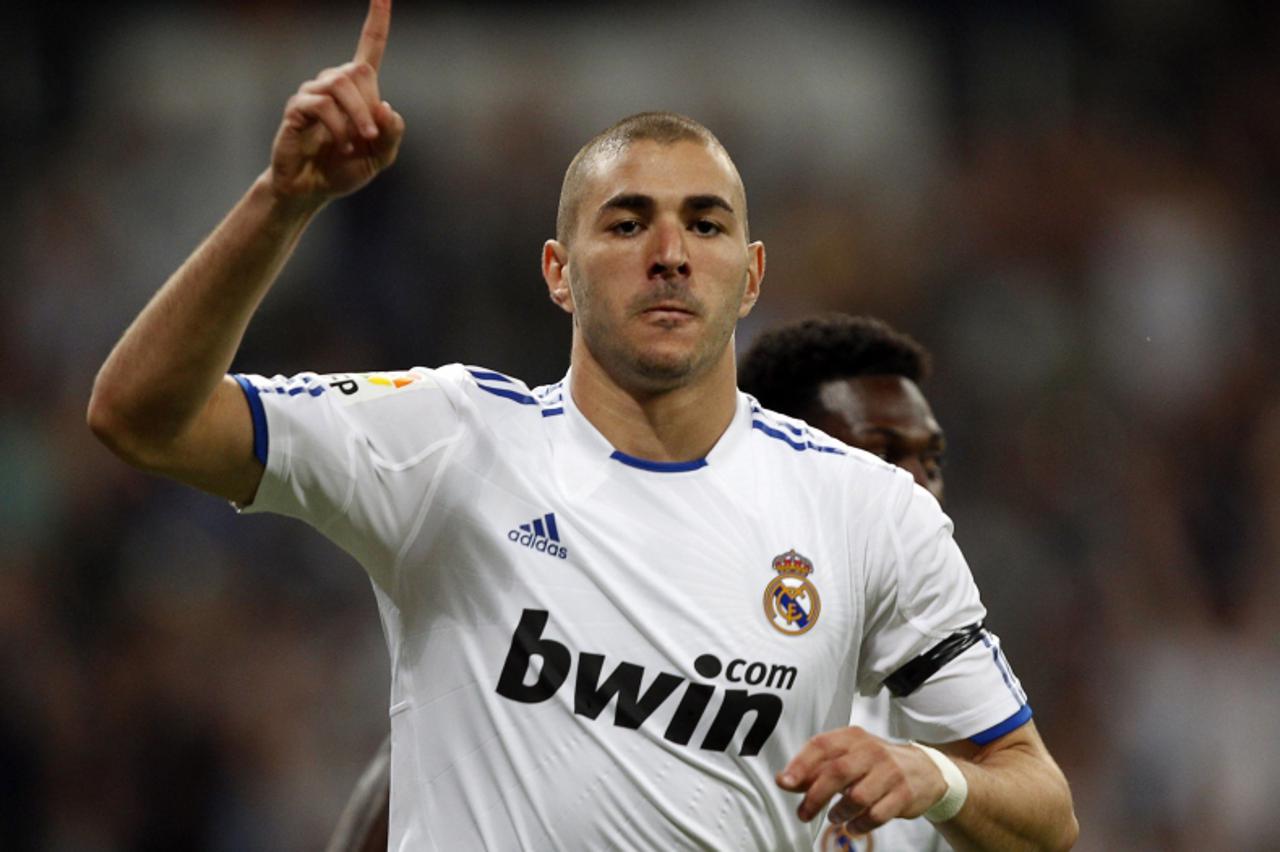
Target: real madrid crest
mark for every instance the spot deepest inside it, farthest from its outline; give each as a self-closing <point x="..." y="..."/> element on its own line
<point x="791" y="602"/>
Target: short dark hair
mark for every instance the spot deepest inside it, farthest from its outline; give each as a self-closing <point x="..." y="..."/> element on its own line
<point x="784" y="367"/>
<point x="665" y="128"/>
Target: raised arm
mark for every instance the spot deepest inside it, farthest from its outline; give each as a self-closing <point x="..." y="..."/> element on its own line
<point x="162" y="400"/>
<point x="1018" y="798"/>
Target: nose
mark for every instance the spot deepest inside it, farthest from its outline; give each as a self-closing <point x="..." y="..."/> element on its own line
<point x="670" y="255"/>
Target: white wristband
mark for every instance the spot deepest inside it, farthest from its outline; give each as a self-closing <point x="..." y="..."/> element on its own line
<point x="957" y="786"/>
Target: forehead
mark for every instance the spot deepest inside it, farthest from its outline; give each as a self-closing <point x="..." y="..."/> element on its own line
<point x="665" y="172"/>
<point x="884" y="401"/>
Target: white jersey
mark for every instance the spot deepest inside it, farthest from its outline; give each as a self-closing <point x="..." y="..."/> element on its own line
<point x="595" y="651"/>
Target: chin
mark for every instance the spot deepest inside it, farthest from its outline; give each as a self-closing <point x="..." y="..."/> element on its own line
<point x="654" y="368"/>
<point x="651" y="369"/>
<point x="662" y="371"/>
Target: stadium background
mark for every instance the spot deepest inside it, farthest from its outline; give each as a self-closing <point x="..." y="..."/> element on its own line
<point x="1076" y="210"/>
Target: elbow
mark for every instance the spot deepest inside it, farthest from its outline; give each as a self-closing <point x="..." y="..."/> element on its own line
<point x="100" y="416"/>
<point x="1068" y="827"/>
<point x="105" y="422"/>
<point x="1065" y="839"/>
<point x="1070" y="831"/>
<point x="109" y="422"/>
<point x="1060" y="828"/>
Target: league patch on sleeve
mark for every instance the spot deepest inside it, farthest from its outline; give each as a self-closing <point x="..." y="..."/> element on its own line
<point x="349" y="388"/>
<point x="342" y="388"/>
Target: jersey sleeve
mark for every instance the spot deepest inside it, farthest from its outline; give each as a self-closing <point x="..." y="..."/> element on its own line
<point x="356" y="455"/>
<point x="925" y="639"/>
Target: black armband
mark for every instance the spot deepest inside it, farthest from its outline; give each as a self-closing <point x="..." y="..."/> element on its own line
<point x="914" y="673"/>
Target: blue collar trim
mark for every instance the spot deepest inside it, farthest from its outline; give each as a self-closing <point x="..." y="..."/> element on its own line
<point x="656" y="466"/>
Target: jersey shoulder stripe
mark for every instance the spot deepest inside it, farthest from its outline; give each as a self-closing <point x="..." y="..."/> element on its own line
<point x="500" y="385"/>
<point x="481" y="374"/>
<point x="552" y="398"/>
<point x="547" y="399"/>
<point x="794" y="434"/>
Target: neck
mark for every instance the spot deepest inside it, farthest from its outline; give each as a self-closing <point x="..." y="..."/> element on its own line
<point x="676" y="425"/>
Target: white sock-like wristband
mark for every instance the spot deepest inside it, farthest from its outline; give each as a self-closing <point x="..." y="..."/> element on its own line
<point x="957" y="786"/>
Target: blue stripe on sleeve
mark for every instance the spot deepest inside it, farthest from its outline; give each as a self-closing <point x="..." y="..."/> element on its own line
<point x="995" y="732"/>
<point x="799" y="446"/>
<point x="259" y="416"/>
<point x="507" y="393"/>
<point x="488" y="375"/>
<point x="1002" y="666"/>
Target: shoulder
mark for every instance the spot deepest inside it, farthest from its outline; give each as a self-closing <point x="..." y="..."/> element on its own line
<point x="794" y="441"/>
<point x="460" y="385"/>
<point x="418" y="402"/>
<point x="511" y="394"/>
<point x="845" y="480"/>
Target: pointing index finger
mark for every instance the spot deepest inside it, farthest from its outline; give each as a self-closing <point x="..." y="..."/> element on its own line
<point x="373" y="37"/>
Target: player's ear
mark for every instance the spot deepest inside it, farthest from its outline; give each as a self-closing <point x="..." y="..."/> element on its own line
<point x="555" y="262"/>
<point x="755" y="274"/>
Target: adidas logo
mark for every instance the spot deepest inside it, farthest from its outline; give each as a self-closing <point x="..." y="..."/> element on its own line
<point x="541" y="535"/>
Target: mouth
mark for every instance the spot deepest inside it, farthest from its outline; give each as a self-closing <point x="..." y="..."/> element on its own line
<point x="667" y="316"/>
<point x="673" y="310"/>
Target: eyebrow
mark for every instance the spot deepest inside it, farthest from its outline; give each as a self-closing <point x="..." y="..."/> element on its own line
<point x="628" y="201"/>
<point x="707" y="202"/>
<point x="639" y="203"/>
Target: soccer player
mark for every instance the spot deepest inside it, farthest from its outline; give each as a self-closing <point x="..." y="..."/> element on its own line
<point x="858" y="379"/>
<point x="626" y="610"/>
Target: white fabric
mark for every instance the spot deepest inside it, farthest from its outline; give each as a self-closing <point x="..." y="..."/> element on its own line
<point x="435" y="480"/>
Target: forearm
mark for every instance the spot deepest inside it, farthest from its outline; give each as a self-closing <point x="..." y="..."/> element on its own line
<point x="166" y="366"/>
<point x="1018" y="800"/>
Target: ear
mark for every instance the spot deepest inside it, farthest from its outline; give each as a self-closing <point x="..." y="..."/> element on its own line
<point x="755" y="275"/>
<point x="555" y="262"/>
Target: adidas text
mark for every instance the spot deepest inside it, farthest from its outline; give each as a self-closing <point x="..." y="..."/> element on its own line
<point x="540" y="543"/>
<point x="540" y="534"/>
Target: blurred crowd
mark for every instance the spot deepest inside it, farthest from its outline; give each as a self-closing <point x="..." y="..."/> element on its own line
<point x="1077" y="210"/>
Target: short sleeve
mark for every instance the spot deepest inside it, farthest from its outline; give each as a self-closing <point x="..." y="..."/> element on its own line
<point x="356" y="455"/>
<point x="925" y="617"/>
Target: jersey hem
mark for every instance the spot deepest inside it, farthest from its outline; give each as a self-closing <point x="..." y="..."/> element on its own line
<point x="995" y="732"/>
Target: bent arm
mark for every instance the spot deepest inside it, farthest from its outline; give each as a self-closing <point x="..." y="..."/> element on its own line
<point x="162" y="400"/>
<point x="1018" y="797"/>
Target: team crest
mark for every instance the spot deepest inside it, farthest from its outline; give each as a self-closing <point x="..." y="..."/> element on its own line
<point x="791" y="602"/>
